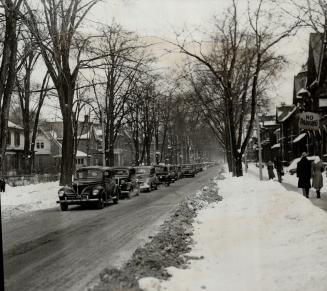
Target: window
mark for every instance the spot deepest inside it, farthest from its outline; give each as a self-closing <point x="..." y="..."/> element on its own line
<point x="80" y="161"/>
<point x="9" y="138"/>
<point x="40" y="145"/>
<point x="17" y="139"/>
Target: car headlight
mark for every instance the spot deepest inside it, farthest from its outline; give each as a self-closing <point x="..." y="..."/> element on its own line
<point x="95" y="192"/>
<point x="61" y="193"/>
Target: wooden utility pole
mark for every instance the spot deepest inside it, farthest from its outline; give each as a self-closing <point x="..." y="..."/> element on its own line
<point x="259" y="145"/>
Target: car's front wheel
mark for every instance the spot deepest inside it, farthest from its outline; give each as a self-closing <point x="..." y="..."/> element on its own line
<point x="64" y="206"/>
<point x="115" y="200"/>
<point x="100" y="203"/>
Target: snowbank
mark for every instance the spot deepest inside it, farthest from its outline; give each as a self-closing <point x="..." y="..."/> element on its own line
<point x="260" y="237"/>
<point x="18" y="200"/>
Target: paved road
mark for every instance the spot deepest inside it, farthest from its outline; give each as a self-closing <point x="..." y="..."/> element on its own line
<point x="55" y="250"/>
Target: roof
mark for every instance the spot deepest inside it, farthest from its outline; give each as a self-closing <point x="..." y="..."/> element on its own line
<point x="284" y="112"/>
<point x="84" y="136"/>
<point x="276" y="145"/>
<point x="299" y="137"/>
<point x="13" y="125"/>
<point x="95" y="168"/>
<point x="269" y="123"/>
<point x="80" y="154"/>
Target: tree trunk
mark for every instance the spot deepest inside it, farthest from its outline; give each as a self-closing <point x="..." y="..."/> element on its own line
<point x="67" y="159"/>
<point x="7" y="75"/>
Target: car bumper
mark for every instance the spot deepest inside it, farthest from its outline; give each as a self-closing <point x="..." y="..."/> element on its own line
<point x="78" y="201"/>
<point x="145" y="187"/>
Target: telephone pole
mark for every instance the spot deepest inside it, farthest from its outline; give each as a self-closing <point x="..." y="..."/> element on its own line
<point x="259" y="145"/>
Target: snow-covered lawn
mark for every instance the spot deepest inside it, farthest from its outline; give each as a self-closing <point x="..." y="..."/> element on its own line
<point x="260" y="237"/>
<point x="18" y="200"/>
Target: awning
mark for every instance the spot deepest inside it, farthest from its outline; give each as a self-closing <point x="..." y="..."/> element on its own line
<point x="299" y="137"/>
<point x="276" y="145"/>
<point x="277" y="130"/>
<point x="265" y="142"/>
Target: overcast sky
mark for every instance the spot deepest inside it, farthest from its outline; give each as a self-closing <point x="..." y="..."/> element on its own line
<point x="161" y="17"/>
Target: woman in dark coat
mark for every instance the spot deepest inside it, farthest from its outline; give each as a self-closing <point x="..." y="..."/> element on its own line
<point x="279" y="169"/>
<point x="303" y="172"/>
<point x="270" y="167"/>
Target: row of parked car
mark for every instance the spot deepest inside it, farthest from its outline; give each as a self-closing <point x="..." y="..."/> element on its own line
<point x="103" y="185"/>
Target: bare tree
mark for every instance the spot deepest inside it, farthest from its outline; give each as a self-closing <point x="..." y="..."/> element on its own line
<point x="8" y="67"/>
<point x="240" y="56"/>
<point x="62" y="48"/>
<point x="123" y="62"/>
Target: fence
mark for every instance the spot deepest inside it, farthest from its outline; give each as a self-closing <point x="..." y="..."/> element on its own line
<point x="31" y="179"/>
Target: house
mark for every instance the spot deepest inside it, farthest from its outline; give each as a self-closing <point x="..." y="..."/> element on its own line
<point x="15" y="149"/>
<point x="47" y="149"/>
<point x="268" y="126"/>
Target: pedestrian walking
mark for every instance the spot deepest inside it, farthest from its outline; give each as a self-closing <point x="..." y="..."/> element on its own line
<point x="2" y="184"/>
<point x="270" y="167"/>
<point x="303" y="172"/>
<point x="279" y="169"/>
<point x="317" y="169"/>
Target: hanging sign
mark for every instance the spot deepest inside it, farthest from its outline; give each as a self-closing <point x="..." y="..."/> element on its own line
<point x="309" y="120"/>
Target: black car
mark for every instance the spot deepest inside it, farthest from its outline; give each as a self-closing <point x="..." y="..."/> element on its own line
<point x="94" y="185"/>
<point x="125" y="178"/>
<point x="163" y="175"/>
<point x="188" y="170"/>
<point x="173" y="173"/>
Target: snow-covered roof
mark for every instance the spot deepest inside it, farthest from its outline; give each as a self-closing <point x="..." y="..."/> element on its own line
<point x="269" y="123"/>
<point x="81" y="154"/>
<point x="299" y="137"/>
<point x="284" y="112"/>
<point x="276" y="145"/>
<point x="13" y="125"/>
<point x="277" y="130"/>
<point x="84" y="136"/>
<point x="301" y="92"/>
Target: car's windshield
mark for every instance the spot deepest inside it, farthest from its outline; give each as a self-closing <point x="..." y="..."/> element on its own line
<point x="121" y="172"/>
<point x="187" y="167"/>
<point x="88" y="174"/>
<point x="142" y="170"/>
<point x="161" y="169"/>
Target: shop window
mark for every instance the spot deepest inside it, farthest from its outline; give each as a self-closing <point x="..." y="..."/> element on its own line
<point x="9" y="138"/>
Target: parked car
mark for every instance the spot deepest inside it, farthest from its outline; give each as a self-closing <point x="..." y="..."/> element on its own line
<point x="163" y="175"/>
<point x="94" y="185"/>
<point x="179" y="171"/>
<point x="146" y="176"/>
<point x="173" y="173"/>
<point x="125" y="178"/>
<point x="188" y="170"/>
<point x="199" y="167"/>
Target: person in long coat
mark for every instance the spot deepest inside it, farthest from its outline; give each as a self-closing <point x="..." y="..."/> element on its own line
<point x="279" y="169"/>
<point x="303" y="172"/>
<point x="317" y="169"/>
<point x="270" y="167"/>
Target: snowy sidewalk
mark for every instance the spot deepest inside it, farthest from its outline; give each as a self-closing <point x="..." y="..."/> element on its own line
<point x="22" y="199"/>
<point x="290" y="184"/>
<point x="260" y="237"/>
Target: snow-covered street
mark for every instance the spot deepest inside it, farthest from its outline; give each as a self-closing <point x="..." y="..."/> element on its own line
<point x="260" y="237"/>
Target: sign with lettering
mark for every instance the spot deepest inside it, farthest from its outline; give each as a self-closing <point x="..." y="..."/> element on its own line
<point x="309" y="120"/>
